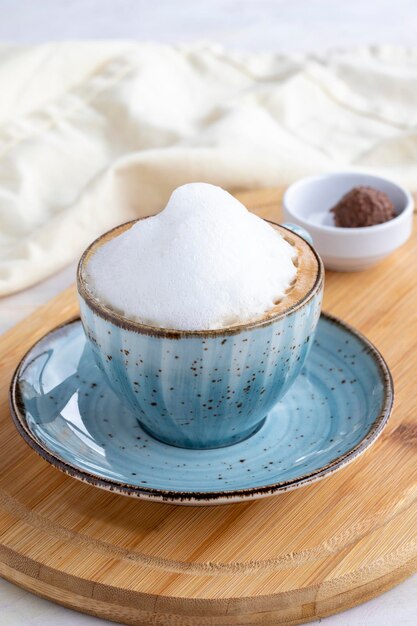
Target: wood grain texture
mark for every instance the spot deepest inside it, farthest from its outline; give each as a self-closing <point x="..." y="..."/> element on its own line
<point x="284" y="560"/>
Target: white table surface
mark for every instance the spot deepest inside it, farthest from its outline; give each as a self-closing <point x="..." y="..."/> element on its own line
<point x="251" y="25"/>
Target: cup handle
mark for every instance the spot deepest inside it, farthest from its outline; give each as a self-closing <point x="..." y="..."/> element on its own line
<point x="298" y="230"/>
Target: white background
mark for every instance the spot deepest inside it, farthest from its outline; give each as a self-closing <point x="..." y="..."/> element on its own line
<point x="251" y="25"/>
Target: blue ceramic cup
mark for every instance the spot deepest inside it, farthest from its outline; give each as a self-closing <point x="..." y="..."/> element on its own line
<point x="205" y="389"/>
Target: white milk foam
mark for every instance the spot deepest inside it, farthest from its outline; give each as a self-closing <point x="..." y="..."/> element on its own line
<point x="204" y="262"/>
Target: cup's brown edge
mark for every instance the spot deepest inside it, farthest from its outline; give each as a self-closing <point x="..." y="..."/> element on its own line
<point x="122" y="322"/>
<point x="17" y="413"/>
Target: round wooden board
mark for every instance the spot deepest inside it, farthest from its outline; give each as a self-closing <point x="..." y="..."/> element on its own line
<point x="283" y="560"/>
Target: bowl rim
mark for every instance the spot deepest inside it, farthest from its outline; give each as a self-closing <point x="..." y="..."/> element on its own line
<point x="342" y="231"/>
<point x="121" y="321"/>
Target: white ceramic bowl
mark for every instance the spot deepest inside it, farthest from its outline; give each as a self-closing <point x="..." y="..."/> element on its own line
<point x="308" y="203"/>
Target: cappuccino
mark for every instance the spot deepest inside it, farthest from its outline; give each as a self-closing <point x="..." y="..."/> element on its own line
<point x="205" y="262"/>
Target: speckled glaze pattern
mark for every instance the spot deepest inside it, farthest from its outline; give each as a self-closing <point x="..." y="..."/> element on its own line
<point x="203" y="392"/>
<point x="63" y="407"/>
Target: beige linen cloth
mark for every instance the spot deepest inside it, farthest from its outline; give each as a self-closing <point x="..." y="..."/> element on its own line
<point x="94" y="134"/>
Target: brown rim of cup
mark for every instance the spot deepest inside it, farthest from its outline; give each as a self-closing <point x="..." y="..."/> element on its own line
<point x="121" y="321"/>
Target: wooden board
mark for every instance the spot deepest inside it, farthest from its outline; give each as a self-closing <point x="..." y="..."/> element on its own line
<point x="284" y="560"/>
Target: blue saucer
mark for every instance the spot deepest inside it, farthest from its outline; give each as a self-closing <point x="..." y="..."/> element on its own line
<point x="335" y="410"/>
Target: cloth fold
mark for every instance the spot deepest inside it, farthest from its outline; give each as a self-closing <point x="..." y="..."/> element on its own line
<point x="94" y="134"/>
